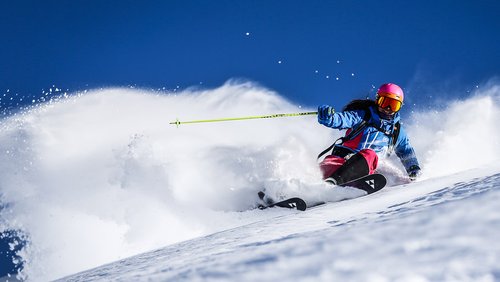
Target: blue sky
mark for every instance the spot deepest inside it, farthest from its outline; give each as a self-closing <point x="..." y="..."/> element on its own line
<point x="311" y="52"/>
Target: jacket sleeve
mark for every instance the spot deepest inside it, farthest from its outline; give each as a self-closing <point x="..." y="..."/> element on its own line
<point x="404" y="150"/>
<point x="345" y="120"/>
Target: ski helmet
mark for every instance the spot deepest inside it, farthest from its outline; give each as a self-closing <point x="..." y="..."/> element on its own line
<point x="390" y="96"/>
<point x="391" y="90"/>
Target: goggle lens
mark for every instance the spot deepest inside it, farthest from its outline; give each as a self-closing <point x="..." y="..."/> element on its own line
<point x="385" y="102"/>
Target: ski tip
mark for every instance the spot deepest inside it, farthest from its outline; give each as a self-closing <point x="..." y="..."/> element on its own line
<point x="293" y="203"/>
<point x="301" y="204"/>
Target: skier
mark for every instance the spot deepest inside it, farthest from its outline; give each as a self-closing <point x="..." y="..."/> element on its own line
<point x="373" y="130"/>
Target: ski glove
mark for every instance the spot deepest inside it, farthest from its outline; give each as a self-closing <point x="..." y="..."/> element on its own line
<point x="414" y="172"/>
<point x="325" y="114"/>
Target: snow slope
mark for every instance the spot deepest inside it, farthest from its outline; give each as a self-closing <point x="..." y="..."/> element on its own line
<point x="98" y="177"/>
<point x="447" y="235"/>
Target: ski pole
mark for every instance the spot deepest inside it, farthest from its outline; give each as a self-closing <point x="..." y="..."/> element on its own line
<point x="177" y="122"/>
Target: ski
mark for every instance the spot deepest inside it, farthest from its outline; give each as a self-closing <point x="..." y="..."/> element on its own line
<point x="292" y="203"/>
<point x="369" y="183"/>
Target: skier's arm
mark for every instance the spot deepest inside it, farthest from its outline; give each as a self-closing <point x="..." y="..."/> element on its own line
<point x="340" y="120"/>
<point x="407" y="155"/>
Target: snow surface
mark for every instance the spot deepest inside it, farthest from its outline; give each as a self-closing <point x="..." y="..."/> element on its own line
<point x="100" y="177"/>
<point x="444" y="235"/>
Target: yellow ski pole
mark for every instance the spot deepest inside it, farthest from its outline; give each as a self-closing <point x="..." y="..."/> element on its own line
<point x="177" y="122"/>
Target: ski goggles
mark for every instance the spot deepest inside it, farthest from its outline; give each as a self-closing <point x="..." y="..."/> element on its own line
<point x="386" y="102"/>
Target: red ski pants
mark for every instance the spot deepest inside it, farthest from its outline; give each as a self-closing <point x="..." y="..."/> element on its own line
<point x="331" y="163"/>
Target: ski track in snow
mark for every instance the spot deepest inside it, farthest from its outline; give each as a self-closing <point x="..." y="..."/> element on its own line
<point x="97" y="178"/>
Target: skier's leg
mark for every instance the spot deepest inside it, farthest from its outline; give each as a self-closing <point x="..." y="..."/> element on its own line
<point x="371" y="159"/>
<point x="360" y="164"/>
<point x="330" y="164"/>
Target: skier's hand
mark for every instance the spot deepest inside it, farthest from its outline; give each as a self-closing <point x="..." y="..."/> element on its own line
<point x="325" y="114"/>
<point x="414" y="172"/>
